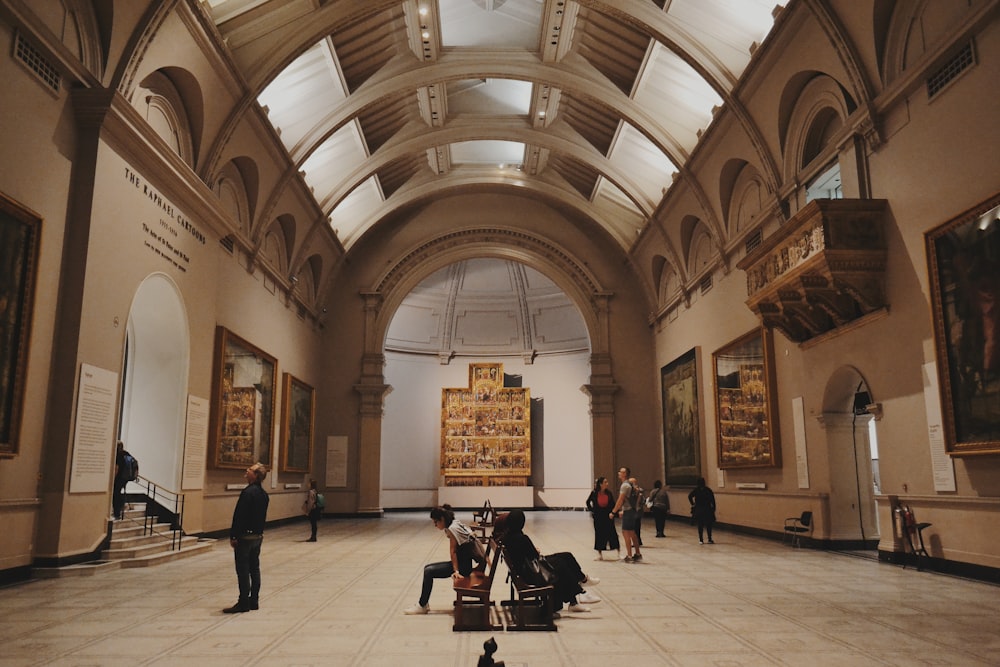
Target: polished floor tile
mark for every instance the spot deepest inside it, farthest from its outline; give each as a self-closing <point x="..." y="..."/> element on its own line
<point x="742" y="602"/>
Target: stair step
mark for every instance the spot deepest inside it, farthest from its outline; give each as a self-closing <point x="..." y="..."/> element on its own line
<point x="130" y="551"/>
<point x="192" y="546"/>
<point x="79" y="570"/>
<point x="196" y="547"/>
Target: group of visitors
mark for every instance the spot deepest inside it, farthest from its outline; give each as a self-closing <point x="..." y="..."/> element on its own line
<point x="631" y="503"/>
<point x="560" y="570"/>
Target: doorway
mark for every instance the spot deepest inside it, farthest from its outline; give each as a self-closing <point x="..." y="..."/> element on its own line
<point x="154" y="381"/>
<point x="852" y="448"/>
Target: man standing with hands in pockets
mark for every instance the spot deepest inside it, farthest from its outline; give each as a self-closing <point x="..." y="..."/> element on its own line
<point x="246" y="536"/>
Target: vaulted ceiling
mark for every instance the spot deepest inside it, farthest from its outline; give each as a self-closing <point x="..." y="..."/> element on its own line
<point x="593" y="106"/>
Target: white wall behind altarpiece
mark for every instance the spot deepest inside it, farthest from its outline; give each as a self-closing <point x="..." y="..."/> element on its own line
<point x="562" y="464"/>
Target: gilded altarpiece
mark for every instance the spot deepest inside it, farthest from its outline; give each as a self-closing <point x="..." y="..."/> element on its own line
<point x="486" y="431"/>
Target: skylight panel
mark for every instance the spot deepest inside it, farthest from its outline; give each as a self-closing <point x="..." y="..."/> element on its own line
<point x="487" y="153"/>
<point x="668" y="82"/>
<point x="303" y="93"/>
<point x="727" y="28"/>
<point x="352" y="217"/>
<point x="490" y="97"/>
<point x="647" y="166"/>
<point x="492" y="23"/>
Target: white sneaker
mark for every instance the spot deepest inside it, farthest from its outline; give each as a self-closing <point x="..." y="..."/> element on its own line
<point x="417" y="609"/>
<point x="577" y="609"/>
<point x="590" y="580"/>
<point x="587" y="598"/>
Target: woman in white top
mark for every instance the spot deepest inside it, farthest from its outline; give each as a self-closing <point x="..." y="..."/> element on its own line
<point x="463" y="549"/>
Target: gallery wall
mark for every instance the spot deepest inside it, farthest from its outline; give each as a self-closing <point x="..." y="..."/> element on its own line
<point x="411" y="429"/>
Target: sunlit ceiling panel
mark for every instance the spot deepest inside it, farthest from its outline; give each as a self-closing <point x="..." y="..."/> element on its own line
<point x="350" y="219"/>
<point x="725" y="27"/>
<point x="487" y="153"/>
<point x="491" y="23"/>
<point x="489" y="97"/>
<point x="647" y="166"/>
<point x="330" y="164"/>
<point x="303" y="93"/>
<point x="670" y="83"/>
<point x="621" y="216"/>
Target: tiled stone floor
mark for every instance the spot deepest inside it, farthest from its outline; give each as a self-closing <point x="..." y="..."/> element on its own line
<point x="742" y="601"/>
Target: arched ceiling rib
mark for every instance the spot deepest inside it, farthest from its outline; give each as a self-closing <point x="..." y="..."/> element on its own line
<point x="598" y="103"/>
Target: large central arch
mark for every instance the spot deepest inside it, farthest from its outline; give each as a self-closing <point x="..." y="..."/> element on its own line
<point x="392" y="286"/>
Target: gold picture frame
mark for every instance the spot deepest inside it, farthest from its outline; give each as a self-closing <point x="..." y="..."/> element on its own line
<point x="963" y="259"/>
<point x="20" y="229"/>
<point x="242" y="413"/>
<point x="745" y="406"/>
<point x="297" y="416"/>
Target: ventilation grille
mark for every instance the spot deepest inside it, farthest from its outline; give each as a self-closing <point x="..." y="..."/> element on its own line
<point x="34" y="61"/>
<point x="948" y="72"/>
<point x="228" y="243"/>
<point x="706" y="283"/>
<point x="753" y="241"/>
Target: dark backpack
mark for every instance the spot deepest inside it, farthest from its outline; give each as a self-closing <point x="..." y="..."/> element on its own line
<point x="130" y="467"/>
<point x="320" y="501"/>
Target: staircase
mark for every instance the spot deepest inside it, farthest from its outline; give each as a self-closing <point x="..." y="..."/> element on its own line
<point x="133" y="544"/>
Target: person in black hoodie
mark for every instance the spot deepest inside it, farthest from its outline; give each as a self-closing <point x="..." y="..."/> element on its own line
<point x="702" y="501"/>
<point x="246" y="536"/>
<point x="560" y="570"/>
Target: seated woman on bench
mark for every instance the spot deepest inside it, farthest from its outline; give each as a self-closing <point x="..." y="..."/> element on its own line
<point x="523" y="560"/>
<point x="463" y="548"/>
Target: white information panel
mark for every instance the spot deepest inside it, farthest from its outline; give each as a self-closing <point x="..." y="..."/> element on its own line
<point x="941" y="464"/>
<point x="195" y="443"/>
<point x="94" y="435"/>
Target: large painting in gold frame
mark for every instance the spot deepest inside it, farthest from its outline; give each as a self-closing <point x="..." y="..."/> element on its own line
<point x="298" y="409"/>
<point x="242" y="414"/>
<point x="745" y="404"/>
<point x="19" y="232"/>
<point x="963" y="257"/>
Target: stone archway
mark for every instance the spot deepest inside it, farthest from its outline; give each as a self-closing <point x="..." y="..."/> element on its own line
<point x="382" y="300"/>
<point x="154" y="380"/>
<point x="853" y="515"/>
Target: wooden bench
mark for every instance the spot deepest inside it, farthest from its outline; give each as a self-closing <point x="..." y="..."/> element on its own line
<point x="473" y="606"/>
<point x="530" y="607"/>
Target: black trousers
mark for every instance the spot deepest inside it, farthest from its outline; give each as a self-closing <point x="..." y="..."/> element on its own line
<point x="247" y="553"/>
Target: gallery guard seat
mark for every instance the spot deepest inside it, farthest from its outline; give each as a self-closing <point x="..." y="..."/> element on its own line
<point x="797" y="526"/>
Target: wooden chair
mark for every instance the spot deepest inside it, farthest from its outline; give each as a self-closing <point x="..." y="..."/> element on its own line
<point x="912" y="528"/>
<point x="483" y="520"/>
<point x="473" y="606"/>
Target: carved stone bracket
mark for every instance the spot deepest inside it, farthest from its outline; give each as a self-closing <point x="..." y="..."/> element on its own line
<point x="822" y="270"/>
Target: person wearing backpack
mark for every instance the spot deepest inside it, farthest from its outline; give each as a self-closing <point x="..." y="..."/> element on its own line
<point x="123" y="475"/>
<point x="313" y="508"/>
<point x="629" y="514"/>
<point x="659" y="503"/>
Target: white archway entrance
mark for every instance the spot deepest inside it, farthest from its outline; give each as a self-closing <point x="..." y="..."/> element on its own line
<point x="154" y="380"/>
<point x="852" y="459"/>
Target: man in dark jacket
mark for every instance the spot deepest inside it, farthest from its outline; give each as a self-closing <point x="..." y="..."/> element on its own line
<point x="246" y="536"/>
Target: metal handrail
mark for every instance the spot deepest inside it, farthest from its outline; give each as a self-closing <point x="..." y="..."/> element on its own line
<point x="165" y="498"/>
